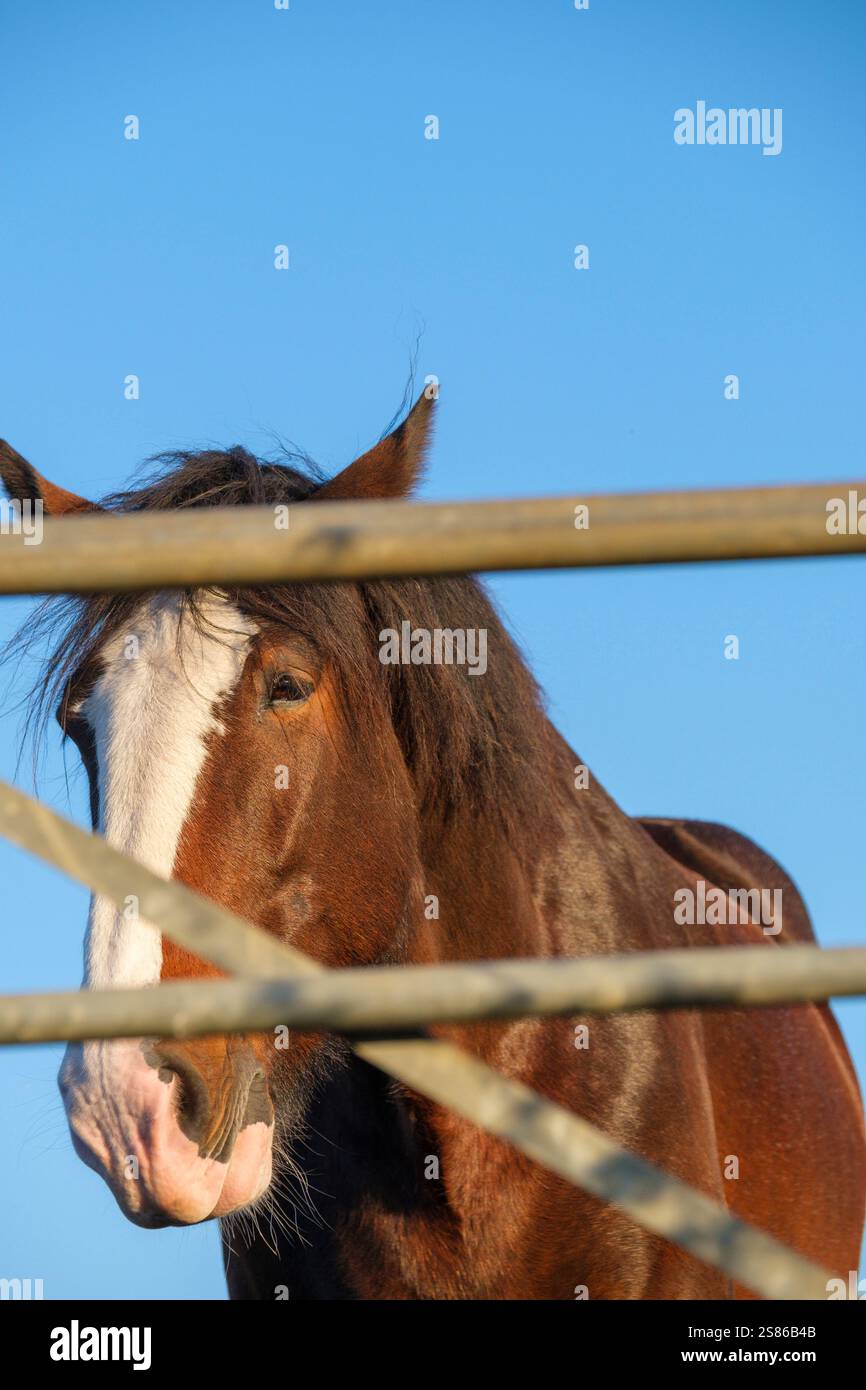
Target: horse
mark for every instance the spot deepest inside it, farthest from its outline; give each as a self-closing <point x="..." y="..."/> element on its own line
<point x="254" y="745"/>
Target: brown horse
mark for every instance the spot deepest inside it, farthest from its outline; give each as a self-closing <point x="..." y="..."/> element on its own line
<point x="263" y="747"/>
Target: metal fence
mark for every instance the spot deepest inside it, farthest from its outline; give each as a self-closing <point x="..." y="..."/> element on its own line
<point x="276" y="984"/>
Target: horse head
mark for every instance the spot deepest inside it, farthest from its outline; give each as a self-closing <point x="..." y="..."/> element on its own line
<point x="252" y="745"/>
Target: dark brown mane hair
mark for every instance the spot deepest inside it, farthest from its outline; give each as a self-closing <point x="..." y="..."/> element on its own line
<point x="476" y="740"/>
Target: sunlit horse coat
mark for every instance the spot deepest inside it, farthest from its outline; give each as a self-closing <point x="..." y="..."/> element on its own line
<point x="253" y="745"/>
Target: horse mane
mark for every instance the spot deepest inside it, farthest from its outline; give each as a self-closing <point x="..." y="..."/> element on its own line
<point x="468" y="741"/>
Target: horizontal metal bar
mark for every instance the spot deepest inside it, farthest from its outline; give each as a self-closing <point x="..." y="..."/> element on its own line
<point x="388" y="999"/>
<point x="564" y="1143"/>
<point x="351" y="540"/>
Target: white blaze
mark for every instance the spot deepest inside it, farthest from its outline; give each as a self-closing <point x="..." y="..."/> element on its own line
<point x="151" y="711"/>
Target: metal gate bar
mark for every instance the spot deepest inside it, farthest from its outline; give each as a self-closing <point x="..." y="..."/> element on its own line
<point x="561" y="1141"/>
<point x="364" y="540"/>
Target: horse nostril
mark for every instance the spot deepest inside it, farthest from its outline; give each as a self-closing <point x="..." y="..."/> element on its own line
<point x="193" y="1104"/>
<point x="192" y="1101"/>
<point x="258" y="1105"/>
<point x="211" y="1107"/>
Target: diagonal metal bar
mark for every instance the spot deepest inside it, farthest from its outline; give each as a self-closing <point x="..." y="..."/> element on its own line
<point x="561" y="1141"/>
<point x="189" y="919"/>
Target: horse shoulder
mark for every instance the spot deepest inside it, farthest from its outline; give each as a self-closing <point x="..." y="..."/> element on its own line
<point x="729" y="860"/>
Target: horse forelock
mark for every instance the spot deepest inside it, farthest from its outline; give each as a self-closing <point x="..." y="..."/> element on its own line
<point x="464" y="740"/>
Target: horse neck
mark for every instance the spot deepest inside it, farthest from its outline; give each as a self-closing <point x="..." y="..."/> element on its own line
<point x="496" y="882"/>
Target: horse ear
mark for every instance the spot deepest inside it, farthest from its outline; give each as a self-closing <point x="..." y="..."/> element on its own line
<point x="24" y="484"/>
<point x="393" y="467"/>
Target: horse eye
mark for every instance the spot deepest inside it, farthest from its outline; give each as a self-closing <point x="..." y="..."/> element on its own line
<point x="288" y="690"/>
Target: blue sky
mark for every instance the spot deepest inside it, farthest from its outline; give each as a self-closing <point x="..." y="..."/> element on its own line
<point x="306" y="127"/>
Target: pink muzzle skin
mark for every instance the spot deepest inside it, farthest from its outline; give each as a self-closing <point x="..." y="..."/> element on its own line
<point x="123" y="1116"/>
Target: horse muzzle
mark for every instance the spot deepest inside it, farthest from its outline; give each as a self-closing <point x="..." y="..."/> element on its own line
<point x="180" y="1132"/>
